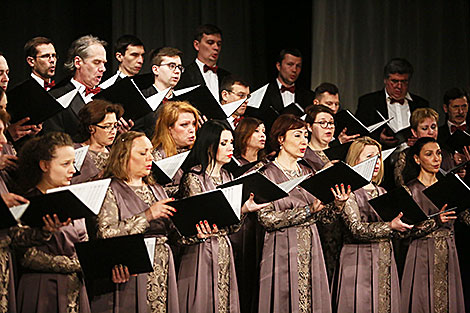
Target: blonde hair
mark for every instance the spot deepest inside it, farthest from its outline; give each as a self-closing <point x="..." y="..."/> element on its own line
<point x="119" y="157"/>
<point x="168" y="115"/>
<point x="355" y="150"/>
<point x="420" y="114"/>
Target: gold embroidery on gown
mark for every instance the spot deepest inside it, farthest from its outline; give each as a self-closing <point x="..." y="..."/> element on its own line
<point x="99" y="159"/>
<point x="193" y="186"/>
<point x="4" y="273"/>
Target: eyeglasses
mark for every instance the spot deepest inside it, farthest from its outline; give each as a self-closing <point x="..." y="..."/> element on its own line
<point x="241" y="95"/>
<point x="173" y="66"/>
<point x="395" y="82"/>
<point x="47" y="56"/>
<point x="325" y="124"/>
<point x="108" y="128"/>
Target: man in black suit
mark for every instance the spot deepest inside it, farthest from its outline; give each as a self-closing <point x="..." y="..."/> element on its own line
<point x="283" y="92"/>
<point x="129" y="52"/>
<point x="394" y="100"/>
<point x="204" y="70"/>
<point x="86" y="61"/>
<point x="42" y="58"/>
<point x="456" y="108"/>
<point x="167" y="69"/>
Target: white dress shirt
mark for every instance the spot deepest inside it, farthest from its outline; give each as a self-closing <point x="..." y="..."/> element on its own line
<point x="287" y="96"/>
<point x="40" y="81"/>
<point x="110" y="81"/>
<point x="401" y="113"/>
<point x="211" y="80"/>
<point x="81" y="90"/>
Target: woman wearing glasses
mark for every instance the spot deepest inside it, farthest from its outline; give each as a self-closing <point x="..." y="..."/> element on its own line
<point x="98" y="128"/>
<point x="321" y="123"/>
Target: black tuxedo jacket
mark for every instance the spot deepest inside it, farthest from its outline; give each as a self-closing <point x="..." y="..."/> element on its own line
<point x="272" y="105"/>
<point x="67" y="120"/>
<point x="192" y="76"/>
<point x="372" y="102"/>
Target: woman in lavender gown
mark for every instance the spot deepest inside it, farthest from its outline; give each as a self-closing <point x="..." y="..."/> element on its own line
<point x="52" y="278"/>
<point x="206" y="279"/>
<point x="134" y="204"/>
<point x="293" y="276"/>
<point x="431" y="279"/>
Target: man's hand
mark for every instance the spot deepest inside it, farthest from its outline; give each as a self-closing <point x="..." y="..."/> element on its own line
<point x="387" y="140"/>
<point x="18" y="130"/>
<point x="343" y="138"/>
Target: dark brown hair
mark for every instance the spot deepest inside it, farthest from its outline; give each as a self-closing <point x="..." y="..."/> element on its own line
<point x="243" y="132"/>
<point x="93" y="113"/>
<point x="280" y="127"/>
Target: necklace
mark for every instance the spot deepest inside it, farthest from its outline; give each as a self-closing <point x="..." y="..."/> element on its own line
<point x="289" y="173"/>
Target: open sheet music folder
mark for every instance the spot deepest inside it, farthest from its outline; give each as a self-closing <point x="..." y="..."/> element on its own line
<point x="262" y="187"/>
<point x="98" y="257"/>
<point x="221" y="207"/>
<point x="345" y="119"/>
<point x="450" y="190"/>
<point x="321" y="183"/>
<point x="165" y="169"/>
<point x="389" y="205"/>
<point x="7" y="219"/>
<point x="75" y="201"/>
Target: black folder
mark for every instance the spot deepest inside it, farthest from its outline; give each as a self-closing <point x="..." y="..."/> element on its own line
<point x="125" y="93"/>
<point x="338" y="152"/>
<point x="321" y="183"/>
<point x="239" y="170"/>
<point x="98" y="257"/>
<point x="144" y="81"/>
<point x="345" y="119"/>
<point x="264" y="189"/>
<point x="203" y="100"/>
<point x="63" y="203"/>
<point x="29" y="99"/>
<point x="211" y="206"/>
<point x="6" y="218"/>
<point x="450" y="190"/>
<point x="458" y="140"/>
<point x="293" y="108"/>
<point x="389" y="205"/>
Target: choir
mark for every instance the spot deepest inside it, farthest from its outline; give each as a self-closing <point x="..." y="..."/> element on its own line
<point x="296" y="253"/>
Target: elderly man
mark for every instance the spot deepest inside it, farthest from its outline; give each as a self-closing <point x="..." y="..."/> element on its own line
<point x="86" y="61"/>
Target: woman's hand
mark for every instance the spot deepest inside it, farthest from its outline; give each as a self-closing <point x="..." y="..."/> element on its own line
<point x="8" y="161"/>
<point x="446" y="217"/>
<point x="317" y="205"/>
<point x="343" y="137"/>
<point x="251" y="206"/>
<point x="53" y="225"/>
<point x="398" y="225"/>
<point x="124" y="126"/>
<point x="160" y="209"/>
<point x="120" y="274"/>
<point x="12" y="199"/>
<point x="330" y="164"/>
<point x="204" y="230"/>
<point x="341" y="196"/>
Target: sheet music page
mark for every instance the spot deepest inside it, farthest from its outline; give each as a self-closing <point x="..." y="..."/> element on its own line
<point x="155" y="100"/>
<point x="287" y="186"/>
<point x="387" y="153"/>
<point x="184" y="90"/>
<point x="234" y="197"/>
<point x="91" y="193"/>
<point x="257" y="96"/>
<point x="171" y="165"/>
<point x="67" y="98"/>
<point x="150" y="244"/>
<point x="375" y="126"/>
<point x="18" y="211"/>
<point x="80" y="154"/>
<point x="231" y="107"/>
<point x="366" y="168"/>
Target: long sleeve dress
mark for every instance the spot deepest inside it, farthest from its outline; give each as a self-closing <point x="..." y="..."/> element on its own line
<point x="331" y="233"/>
<point x="52" y="278"/>
<point x="121" y="214"/>
<point x="431" y="279"/>
<point x="367" y="278"/>
<point x="293" y="276"/>
<point x="206" y="278"/>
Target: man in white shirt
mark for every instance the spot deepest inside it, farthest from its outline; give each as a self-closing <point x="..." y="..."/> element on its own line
<point x="234" y="89"/>
<point x="204" y="70"/>
<point x="392" y="101"/>
<point x="167" y="69"/>
<point x="129" y="52"/>
<point x="42" y="58"/>
<point x="456" y="108"/>
<point x="86" y="61"/>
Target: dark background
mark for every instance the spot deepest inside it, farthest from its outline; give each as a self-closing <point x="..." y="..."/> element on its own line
<point x="349" y="41"/>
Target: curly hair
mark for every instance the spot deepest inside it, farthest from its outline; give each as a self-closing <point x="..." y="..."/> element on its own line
<point x="37" y="149"/>
<point x="93" y="113"/>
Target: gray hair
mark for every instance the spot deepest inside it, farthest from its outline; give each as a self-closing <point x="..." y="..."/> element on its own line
<point x="80" y="48"/>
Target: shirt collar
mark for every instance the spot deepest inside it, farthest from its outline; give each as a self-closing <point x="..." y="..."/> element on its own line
<point x="38" y="79"/>
<point x="279" y="84"/>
